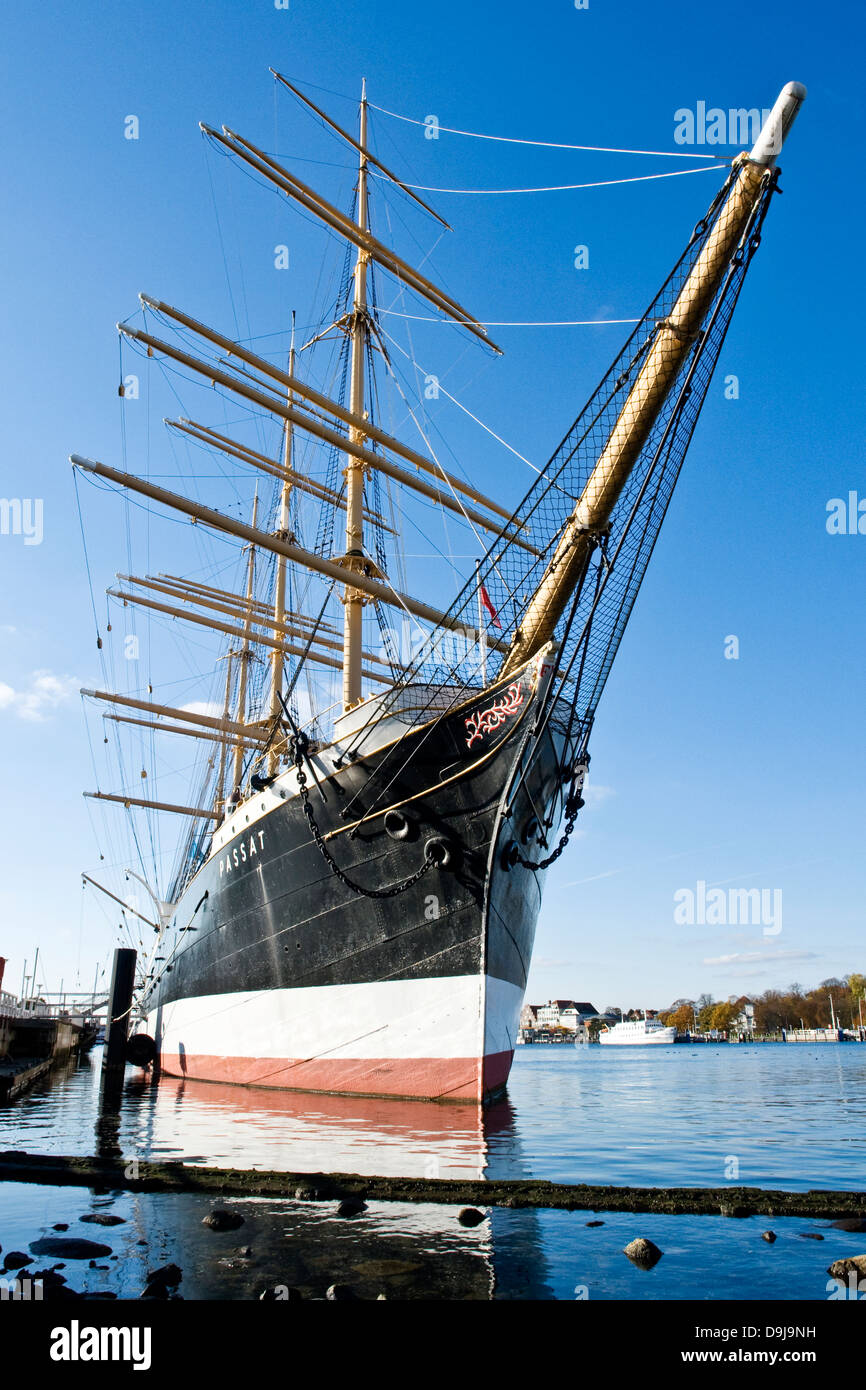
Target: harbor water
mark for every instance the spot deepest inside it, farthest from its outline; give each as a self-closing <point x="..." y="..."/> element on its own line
<point x="763" y="1115"/>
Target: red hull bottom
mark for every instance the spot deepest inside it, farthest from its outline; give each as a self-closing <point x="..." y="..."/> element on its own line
<point x="464" y="1079"/>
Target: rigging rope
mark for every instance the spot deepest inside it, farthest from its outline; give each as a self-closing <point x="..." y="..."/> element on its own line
<point x="567" y="187"/>
<point x="510" y="323"/>
<point x="539" y="144"/>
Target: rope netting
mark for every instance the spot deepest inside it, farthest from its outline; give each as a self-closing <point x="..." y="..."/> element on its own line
<point x="608" y="561"/>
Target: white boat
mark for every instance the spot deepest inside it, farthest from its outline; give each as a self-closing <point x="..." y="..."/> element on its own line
<point x="637" y="1033"/>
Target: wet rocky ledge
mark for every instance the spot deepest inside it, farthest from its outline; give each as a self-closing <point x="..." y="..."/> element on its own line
<point x="141" y="1176"/>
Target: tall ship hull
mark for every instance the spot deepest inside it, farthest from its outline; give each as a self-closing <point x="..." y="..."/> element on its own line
<point x="284" y="977"/>
<point x="354" y="896"/>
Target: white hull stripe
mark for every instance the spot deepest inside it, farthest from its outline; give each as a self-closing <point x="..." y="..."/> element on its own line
<point x="444" y="1017"/>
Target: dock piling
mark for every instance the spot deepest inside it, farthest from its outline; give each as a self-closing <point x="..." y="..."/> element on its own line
<point x="119" y="1008"/>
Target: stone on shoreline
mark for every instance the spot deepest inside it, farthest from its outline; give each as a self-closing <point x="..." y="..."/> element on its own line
<point x="470" y="1216"/>
<point x="854" y="1264"/>
<point x="643" y="1253"/>
<point x="169" y="1275"/>
<point x="16" y="1259"/>
<point x="69" y="1248"/>
<point x="222" y="1220"/>
<point x="102" y="1218"/>
<point x="351" y="1206"/>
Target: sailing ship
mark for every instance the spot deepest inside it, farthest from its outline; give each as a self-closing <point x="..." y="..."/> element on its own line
<point x="356" y="901"/>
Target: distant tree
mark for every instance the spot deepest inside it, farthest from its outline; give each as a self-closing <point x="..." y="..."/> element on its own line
<point x="722" y="1016"/>
<point x="704" y="1001"/>
<point x="681" y="1018"/>
<point x="857" y="985"/>
<point x="705" y="1016"/>
<point x="594" y="1027"/>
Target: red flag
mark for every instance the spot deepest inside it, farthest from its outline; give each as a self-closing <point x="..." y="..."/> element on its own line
<point x="485" y="599"/>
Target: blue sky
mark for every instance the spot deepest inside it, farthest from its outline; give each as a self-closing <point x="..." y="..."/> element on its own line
<point x="742" y="773"/>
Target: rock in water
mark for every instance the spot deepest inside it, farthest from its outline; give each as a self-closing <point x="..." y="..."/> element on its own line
<point x="103" y="1218"/>
<point x="154" y="1291"/>
<point x="768" y="1236"/>
<point x="68" y="1248"/>
<point x="61" y="1226"/>
<point x="809" y="1235"/>
<point x="222" y="1220"/>
<point x="595" y="1223"/>
<point x="643" y="1252"/>
<point x="351" y="1206"/>
<point x="340" y="1293"/>
<point x="16" y="1259"/>
<point x="49" y="1278"/>
<point x="169" y="1276"/>
<point x="470" y="1216"/>
<point x="855" y="1264"/>
<point x="849" y="1223"/>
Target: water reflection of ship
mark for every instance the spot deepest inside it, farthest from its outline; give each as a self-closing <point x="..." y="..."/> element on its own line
<point x="226" y="1125"/>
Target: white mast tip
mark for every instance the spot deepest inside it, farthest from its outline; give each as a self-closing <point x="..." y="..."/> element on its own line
<point x="777" y="125"/>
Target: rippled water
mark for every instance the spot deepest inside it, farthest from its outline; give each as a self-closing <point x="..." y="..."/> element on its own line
<point x="763" y="1115"/>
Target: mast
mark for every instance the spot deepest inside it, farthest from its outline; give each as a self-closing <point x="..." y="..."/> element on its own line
<point x="244" y="657"/>
<point x="353" y="600"/>
<point x="277" y="656"/>
<point x="219" y="804"/>
<point x="674" y="339"/>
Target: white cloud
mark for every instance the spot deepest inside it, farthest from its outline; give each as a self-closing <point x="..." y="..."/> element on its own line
<point x="40" y="698"/>
<point x="751" y="957"/>
<point x="207" y="707"/>
<point x="595" y="793"/>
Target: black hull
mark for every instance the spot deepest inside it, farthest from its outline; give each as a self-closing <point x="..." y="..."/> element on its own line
<point x="267" y="921"/>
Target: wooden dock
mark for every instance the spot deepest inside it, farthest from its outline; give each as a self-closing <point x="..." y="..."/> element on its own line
<point x="31" y="1045"/>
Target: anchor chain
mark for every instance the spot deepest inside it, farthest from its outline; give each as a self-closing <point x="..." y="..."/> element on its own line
<point x="301" y="743"/>
<point x="536" y="866"/>
<point x="573" y="803"/>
